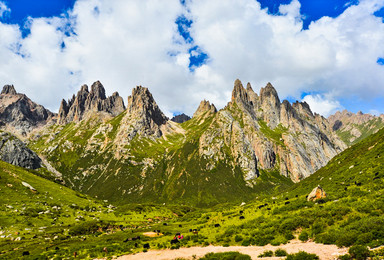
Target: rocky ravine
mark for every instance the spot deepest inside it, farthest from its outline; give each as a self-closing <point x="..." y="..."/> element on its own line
<point x="140" y="154"/>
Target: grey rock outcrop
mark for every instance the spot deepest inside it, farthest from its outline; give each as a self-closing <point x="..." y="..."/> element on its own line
<point x="85" y="103"/>
<point x="143" y="117"/>
<point x="180" y="118"/>
<point x="19" y="114"/>
<point x="9" y="90"/>
<point x="15" y="152"/>
<point x="205" y="107"/>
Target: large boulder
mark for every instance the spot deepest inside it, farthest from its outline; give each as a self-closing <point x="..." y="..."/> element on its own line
<point x="316" y="194"/>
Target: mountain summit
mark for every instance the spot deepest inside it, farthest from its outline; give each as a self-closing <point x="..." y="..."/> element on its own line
<point x="85" y="103"/>
<point x="19" y="114"/>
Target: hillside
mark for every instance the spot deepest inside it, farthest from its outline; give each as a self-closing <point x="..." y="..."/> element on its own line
<point x="42" y="218"/>
<point x="255" y="145"/>
<point x="352" y="128"/>
<point x="351" y="214"/>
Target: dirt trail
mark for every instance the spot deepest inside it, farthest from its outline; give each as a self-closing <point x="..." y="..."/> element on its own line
<point x="325" y="252"/>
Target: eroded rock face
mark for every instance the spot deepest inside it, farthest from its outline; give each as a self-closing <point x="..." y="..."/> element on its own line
<point x="205" y="107"/>
<point x="143" y="117"/>
<point x="18" y="114"/>
<point x="263" y="133"/>
<point x="85" y="103"/>
<point x="15" y="152"/>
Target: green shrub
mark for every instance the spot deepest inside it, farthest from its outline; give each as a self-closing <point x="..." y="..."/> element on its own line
<point x="226" y="256"/>
<point x="267" y="253"/>
<point x="346" y="239"/>
<point x="238" y="238"/>
<point x="302" y="256"/>
<point x="85" y="228"/>
<point x="246" y="242"/>
<point x="304" y="236"/>
<point x="359" y="252"/>
<point x="344" y="257"/>
<point x="280" y="252"/>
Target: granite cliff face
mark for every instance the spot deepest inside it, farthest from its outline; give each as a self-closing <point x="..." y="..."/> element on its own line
<point x="18" y="114"/>
<point x="352" y="128"/>
<point x="15" y="152"/>
<point x="85" y="103"/>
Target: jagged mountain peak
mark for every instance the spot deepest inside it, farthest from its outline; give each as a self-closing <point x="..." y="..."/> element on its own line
<point x="97" y="91"/>
<point x="239" y="93"/>
<point x="9" y="90"/>
<point x="19" y="114"/>
<point x="303" y="108"/>
<point x="205" y="106"/>
<point x="181" y="118"/>
<point x="269" y="92"/>
<point x="142" y="103"/>
<point x="86" y="102"/>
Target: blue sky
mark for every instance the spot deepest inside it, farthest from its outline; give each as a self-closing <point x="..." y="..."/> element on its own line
<point x="326" y="52"/>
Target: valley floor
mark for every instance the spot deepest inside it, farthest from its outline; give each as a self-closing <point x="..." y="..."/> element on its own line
<point x="325" y="252"/>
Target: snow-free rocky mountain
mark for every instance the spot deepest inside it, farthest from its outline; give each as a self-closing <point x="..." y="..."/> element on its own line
<point x="136" y="154"/>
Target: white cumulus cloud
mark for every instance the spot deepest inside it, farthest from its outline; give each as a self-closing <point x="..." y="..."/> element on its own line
<point x="322" y="105"/>
<point x="124" y="43"/>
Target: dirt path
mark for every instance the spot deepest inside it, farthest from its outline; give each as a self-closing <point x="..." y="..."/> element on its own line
<point x="325" y="252"/>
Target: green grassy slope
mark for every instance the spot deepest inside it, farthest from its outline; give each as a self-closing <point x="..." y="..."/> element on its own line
<point x="55" y="221"/>
<point x="366" y="129"/>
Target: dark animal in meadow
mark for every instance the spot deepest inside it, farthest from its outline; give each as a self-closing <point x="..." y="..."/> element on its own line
<point x="146" y="246"/>
<point x="217" y="225"/>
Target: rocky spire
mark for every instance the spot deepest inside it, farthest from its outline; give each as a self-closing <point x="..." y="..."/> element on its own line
<point x="269" y="93"/>
<point x="9" y="90"/>
<point x="205" y="106"/>
<point x="239" y="93"/>
<point x="94" y="101"/>
<point x="141" y="102"/>
<point x="143" y="117"/>
<point x="270" y="103"/>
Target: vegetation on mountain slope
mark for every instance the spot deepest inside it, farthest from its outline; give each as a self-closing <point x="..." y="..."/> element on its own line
<point x="352" y="213"/>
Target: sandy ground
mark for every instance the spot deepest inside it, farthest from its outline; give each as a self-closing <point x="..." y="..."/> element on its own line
<point x="325" y="252"/>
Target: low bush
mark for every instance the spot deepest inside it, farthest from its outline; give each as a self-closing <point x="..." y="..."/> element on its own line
<point x="359" y="252"/>
<point x="302" y="256"/>
<point x="267" y="253"/>
<point x="304" y="236"/>
<point x="226" y="256"/>
<point x="280" y="252"/>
